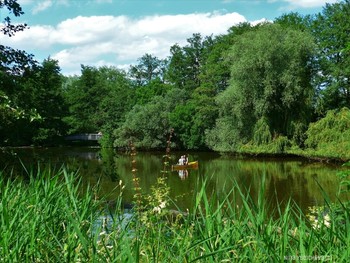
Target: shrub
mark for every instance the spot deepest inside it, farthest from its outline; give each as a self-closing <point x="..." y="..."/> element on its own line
<point x="330" y="136"/>
<point x="262" y="134"/>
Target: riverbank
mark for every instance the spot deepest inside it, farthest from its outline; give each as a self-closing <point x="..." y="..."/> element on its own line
<point x="48" y="217"/>
<point x="248" y="151"/>
<point x="300" y="154"/>
<point x="338" y="155"/>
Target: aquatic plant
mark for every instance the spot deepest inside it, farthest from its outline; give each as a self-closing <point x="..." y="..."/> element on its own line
<point x="135" y="179"/>
<point x="46" y="218"/>
<point x="167" y="157"/>
<point x="49" y="218"/>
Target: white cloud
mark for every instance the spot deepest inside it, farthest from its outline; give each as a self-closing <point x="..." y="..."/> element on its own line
<point x="63" y="2"/>
<point x="117" y="40"/>
<point x="104" y="1"/>
<point x="25" y="2"/>
<point x="308" y="3"/>
<point x="41" y="6"/>
<point x="292" y="3"/>
<point x="38" y="6"/>
<point x="260" y="21"/>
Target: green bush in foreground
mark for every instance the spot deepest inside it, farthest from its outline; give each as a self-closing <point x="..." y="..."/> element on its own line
<point x="48" y="219"/>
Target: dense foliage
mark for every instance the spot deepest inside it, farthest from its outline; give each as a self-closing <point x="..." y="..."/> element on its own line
<point x="98" y="100"/>
<point x="331" y="30"/>
<point x="330" y="135"/>
<point x="270" y="77"/>
<point x="253" y="89"/>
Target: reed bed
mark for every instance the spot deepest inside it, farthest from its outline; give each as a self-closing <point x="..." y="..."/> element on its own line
<point x="48" y="218"/>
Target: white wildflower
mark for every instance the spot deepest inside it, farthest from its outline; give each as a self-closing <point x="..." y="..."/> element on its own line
<point x="158" y="209"/>
<point x="315" y="224"/>
<point x="327" y="220"/>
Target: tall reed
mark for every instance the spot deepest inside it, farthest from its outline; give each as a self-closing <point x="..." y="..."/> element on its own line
<point x="46" y="218"/>
<point x="167" y="157"/>
<point x="49" y="219"/>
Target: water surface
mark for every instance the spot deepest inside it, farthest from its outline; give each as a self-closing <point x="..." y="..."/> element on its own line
<point x="295" y="178"/>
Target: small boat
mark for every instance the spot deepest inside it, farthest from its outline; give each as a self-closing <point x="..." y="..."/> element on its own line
<point x="190" y="165"/>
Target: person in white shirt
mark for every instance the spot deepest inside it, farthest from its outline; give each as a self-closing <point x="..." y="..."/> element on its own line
<point x="182" y="160"/>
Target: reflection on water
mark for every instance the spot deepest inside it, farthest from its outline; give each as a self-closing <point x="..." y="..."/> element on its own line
<point x="284" y="178"/>
<point x="183" y="174"/>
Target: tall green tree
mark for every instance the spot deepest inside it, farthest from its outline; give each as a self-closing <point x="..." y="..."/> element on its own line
<point x="116" y="102"/>
<point x="200" y="111"/>
<point x="186" y="62"/>
<point x="83" y="96"/>
<point x="148" y="125"/>
<point x="214" y="78"/>
<point x="144" y="94"/>
<point x="149" y="68"/>
<point x="331" y="29"/>
<point x="215" y="71"/>
<point x="49" y="102"/>
<point x="40" y="89"/>
<point x="271" y="76"/>
<point x="295" y="21"/>
<point x="13" y="64"/>
<point x="148" y="77"/>
<point x="98" y="100"/>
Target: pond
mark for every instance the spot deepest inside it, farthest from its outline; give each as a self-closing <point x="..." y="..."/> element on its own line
<point x="295" y="178"/>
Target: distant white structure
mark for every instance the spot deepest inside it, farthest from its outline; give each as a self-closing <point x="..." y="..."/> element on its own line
<point x="84" y="137"/>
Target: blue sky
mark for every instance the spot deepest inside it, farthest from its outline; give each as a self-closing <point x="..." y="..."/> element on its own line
<point x="118" y="32"/>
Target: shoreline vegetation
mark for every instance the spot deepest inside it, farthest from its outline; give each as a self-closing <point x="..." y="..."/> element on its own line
<point x="48" y="217"/>
<point x="327" y="140"/>
<point x="277" y="87"/>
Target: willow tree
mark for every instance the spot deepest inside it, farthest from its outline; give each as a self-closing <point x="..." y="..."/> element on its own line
<point x="270" y="92"/>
